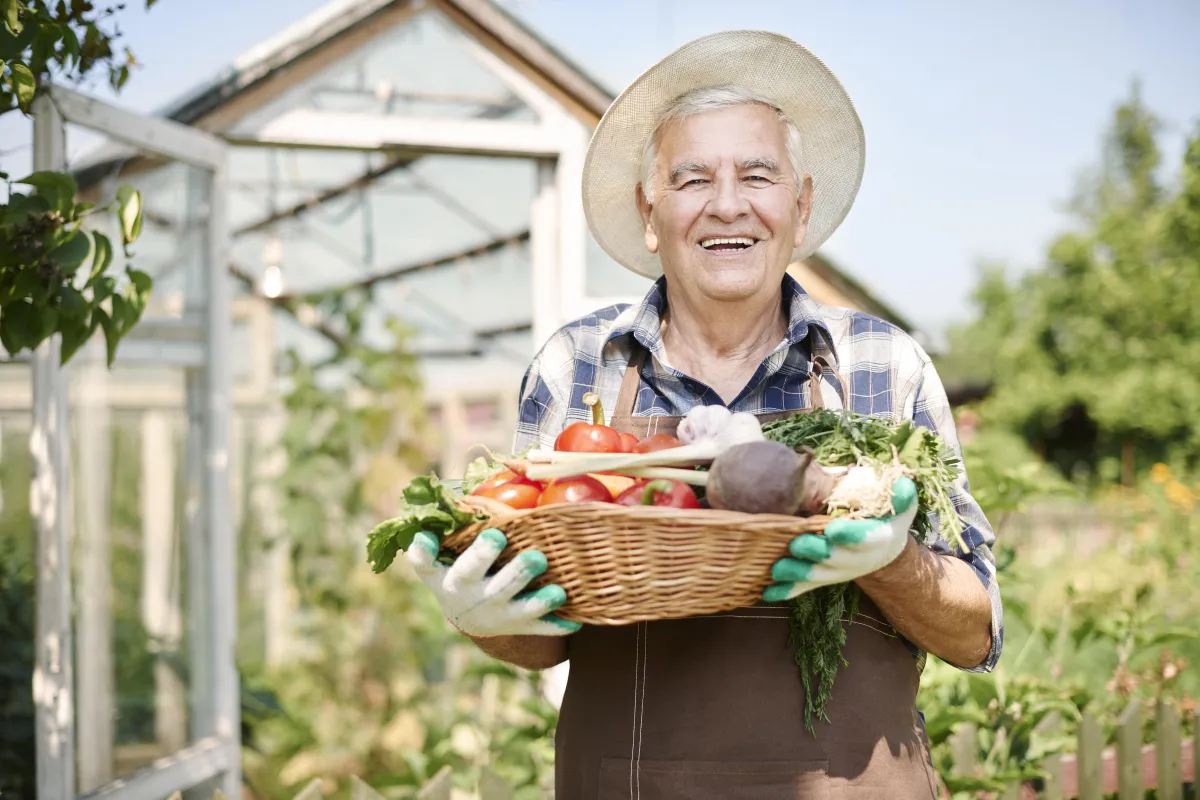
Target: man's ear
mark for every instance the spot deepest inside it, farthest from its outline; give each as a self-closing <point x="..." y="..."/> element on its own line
<point x="644" y="209"/>
<point x="804" y="209"/>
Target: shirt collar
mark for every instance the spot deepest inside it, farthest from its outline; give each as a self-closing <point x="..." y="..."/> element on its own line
<point x="642" y="322"/>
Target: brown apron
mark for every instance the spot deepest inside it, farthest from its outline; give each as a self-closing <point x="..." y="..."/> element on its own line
<point x="712" y="707"/>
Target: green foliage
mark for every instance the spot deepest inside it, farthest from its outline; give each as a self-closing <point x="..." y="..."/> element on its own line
<point x="428" y="506"/>
<point x="1080" y="349"/>
<point x="66" y="40"/>
<point x="54" y="274"/>
<point x="843" y="438"/>
<point x="1012" y="716"/>
<point x="18" y="759"/>
<point x="1095" y="616"/>
<point x="383" y="688"/>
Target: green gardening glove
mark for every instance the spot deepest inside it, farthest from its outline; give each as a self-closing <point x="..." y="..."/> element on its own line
<point x="848" y="549"/>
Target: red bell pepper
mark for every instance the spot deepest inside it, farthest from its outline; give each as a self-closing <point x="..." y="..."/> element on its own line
<point x="673" y="494"/>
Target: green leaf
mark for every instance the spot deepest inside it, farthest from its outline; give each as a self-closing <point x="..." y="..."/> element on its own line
<point x="72" y="252"/>
<point x="70" y="46"/>
<point x="20" y="326"/>
<point x="120" y="313"/>
<point x="57" y="187"/>
<point x="112" y="333"/>
<point x="119" y="77"/>
<point x="102" y="255"/>
<point x="103" y="289"/>
<point x="75" y="334"/>
<point x="47" y="324"/>
<point x="23" y="85"/>
<point x="428" y="506"/>
<point x="11" y="10"/>
<point x="72" y="305"/>
<point x="130" y="213"/>
<point x="28" y="282"/>
<point x="43" y="46"/>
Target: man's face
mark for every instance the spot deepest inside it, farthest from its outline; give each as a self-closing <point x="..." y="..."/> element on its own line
<point x="724" y="175"/>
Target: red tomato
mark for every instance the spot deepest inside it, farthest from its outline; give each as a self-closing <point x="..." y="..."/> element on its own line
<point x="674" y="494"/>
<point x="628" y="442"/>
<point x="659" y="441"/>
<point x="590" y="437"/>
<point x="516" y="494"/>
<point x="577" y="489"/>
<point x="587" y="437"/>
<point x="502" y="477"/>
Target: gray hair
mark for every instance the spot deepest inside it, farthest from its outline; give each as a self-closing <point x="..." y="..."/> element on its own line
<point x="698" y="101"/>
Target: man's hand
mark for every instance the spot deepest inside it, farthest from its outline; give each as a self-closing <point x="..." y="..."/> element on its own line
<point x="480" y="605"/>
<point x="848" y="549"/>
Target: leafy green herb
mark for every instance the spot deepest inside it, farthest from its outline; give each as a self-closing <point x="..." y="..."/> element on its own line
<point x="479" y="471"/>
<point x="843" y="438"/>
<point x="428" y="506"/>
<point x="817" y="633"/>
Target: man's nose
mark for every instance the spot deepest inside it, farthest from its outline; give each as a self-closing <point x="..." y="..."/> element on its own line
<point x="729" y="201"/>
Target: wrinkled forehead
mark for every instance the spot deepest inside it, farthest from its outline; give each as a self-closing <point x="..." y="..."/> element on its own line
<point x="740" y="136"/>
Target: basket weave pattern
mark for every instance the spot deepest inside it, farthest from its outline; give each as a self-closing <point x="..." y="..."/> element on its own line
<point x="622" y="564"/>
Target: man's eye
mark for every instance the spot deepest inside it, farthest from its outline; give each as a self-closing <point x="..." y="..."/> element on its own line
<point x="758" y="178"/>
<point x="695" y="182"/>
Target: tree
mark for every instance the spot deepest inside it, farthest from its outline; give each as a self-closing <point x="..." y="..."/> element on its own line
<point x="44" y="245"/>
<point x="1095" y="357"/>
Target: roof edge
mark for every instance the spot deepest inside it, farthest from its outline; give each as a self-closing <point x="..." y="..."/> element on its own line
<point x="829" y="271"/>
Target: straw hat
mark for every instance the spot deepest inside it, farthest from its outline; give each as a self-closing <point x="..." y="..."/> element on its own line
<point x="832" y="145"/>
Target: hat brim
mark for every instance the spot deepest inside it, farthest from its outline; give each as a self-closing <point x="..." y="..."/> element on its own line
<point x="771" y="66"/>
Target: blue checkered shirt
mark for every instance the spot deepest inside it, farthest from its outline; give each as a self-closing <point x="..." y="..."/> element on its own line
<point x="885" y="372"/>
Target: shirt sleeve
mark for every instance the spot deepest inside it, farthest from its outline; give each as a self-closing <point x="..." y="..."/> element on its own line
<point x="931" y="409"/>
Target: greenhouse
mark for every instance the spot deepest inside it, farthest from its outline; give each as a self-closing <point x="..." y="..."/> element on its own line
<point x="359" y="235"/>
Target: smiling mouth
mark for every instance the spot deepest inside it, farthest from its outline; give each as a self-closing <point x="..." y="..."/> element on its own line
<point x="735" y="244"/>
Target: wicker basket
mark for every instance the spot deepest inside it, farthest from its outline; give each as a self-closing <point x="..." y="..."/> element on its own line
<point x="622" y="564"/>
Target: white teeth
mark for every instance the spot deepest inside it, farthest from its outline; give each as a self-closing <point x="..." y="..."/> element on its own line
<point x="738" y="240"/>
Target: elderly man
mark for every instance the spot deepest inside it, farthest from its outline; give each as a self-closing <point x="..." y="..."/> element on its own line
<point x="719" y="166"/>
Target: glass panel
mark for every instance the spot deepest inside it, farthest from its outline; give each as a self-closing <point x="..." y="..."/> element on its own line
<point x="18" y="554"/>
<point x="422" y="67"/>
<point x="606" y="278"/>
<point x="131" y="498"/>
<point x="134" y="485"/>
<point x="410" y="214"/>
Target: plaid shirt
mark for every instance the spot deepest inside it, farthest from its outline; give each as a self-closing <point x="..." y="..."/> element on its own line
<point x="886" y="373"/>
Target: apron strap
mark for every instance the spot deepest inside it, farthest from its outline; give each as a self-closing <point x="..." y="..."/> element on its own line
<point x="631" y="381"/>
<point x="814" y="382"/>
<point x="819" y="367"/>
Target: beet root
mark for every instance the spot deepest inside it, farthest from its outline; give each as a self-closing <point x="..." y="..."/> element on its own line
<point x="767" y="477"/>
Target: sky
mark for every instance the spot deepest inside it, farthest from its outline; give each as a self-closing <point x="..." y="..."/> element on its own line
<point x="979" y="118"/>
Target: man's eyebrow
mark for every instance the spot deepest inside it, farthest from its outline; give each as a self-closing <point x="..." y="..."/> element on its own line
<point x="761" y="162"/>
<point x="685" y="167"/>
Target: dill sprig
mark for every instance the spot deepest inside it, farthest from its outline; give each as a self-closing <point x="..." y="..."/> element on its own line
<point x="819" y="619"/>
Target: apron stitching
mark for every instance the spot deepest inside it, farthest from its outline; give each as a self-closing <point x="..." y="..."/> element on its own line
<point x="637" y="656"/>
<point x="743" y="616"/>
<point x="642" y="711"/>
<point x="880" y="631"/>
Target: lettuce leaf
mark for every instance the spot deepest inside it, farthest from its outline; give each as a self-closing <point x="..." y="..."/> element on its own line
<point x="428" y="506"/>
